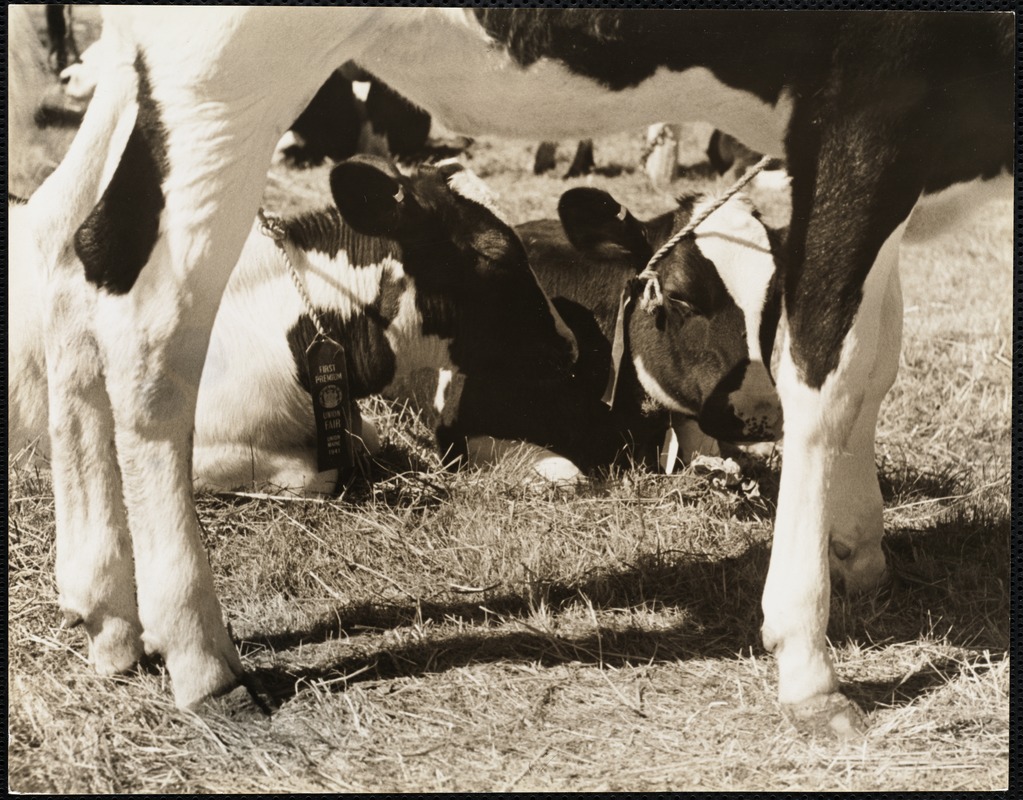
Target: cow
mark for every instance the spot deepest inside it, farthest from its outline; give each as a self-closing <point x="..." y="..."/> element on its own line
<point x="703" y="355"/>
<point x="876" y="115"/>
<point x="446" y="284"/>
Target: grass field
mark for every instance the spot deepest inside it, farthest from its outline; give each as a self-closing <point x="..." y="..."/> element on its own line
<point x="460" y="632"/>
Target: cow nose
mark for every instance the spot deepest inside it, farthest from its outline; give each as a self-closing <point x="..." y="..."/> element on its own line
<point x="762" y="421"/>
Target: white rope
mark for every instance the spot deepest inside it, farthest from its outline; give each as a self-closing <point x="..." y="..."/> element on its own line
<point x="273" y="228"/>
<point x="652" y="296"/>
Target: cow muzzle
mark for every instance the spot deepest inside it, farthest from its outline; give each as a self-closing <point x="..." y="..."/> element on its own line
<point x="751" y="413"/>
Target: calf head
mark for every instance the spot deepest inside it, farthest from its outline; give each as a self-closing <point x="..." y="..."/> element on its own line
<point x="704" y="352"/>
<point x="472" y="280"/>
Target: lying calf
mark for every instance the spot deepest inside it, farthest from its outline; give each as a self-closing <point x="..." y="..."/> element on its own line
<point x="700" y="357"/>
<point x="414" y="272"/>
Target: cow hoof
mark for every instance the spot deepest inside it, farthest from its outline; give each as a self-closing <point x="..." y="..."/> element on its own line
<point x="832" y="715"/>
<point x="115" y="648"/>
<point x="239" y="703"/>
<point x="861" y="572"/>
<point x="198" y="674"/>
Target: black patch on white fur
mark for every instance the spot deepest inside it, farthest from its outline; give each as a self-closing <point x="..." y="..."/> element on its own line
<point x="117" y="238"/>
<point x="930" y="107"/>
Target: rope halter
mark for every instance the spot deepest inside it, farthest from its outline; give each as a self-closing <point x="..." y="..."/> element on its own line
<point x="273" y="228"/>
<point x="652" y="296"/>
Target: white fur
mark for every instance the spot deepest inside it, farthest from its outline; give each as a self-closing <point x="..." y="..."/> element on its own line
<point x="253" y="419"/>
<point x="440" y="396"/>
<point x="79" y="79"/>
<point x="737" y="244"/>
<point x="829" y="484"/>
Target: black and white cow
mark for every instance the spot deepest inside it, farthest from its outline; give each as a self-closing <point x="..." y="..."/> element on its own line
<point x="705" y="353"/>
<point x="876" y="114"/>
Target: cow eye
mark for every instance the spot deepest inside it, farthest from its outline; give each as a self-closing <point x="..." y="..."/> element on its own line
<point x="681" y="304"/>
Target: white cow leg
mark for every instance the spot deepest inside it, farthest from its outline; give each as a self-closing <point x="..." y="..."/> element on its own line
<point x="94" y="567"/>
<point x="152" y="381"/>
<point x="662" y="160"/>
<point x="829" y="499"/>
<point x="855" y="518"/>
<point x="219" y="129"/>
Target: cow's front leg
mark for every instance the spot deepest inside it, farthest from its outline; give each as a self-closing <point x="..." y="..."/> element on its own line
<point x="854" y="186"/>
<point x="829" y="502"/>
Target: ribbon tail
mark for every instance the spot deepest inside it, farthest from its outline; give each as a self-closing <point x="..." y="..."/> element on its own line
<point x="617" y="349"/>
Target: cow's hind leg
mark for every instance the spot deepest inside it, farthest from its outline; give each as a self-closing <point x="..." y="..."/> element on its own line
<point x="161" y="244"/>
<point x="95" y="573"/>
<point x="94" y="567"/>
<point x="829" y="504"/>
<point x="855" y="522"/>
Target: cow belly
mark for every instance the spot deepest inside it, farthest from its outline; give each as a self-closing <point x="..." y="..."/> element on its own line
<point x="939" y="212"/>
<point x="459" y="86"/>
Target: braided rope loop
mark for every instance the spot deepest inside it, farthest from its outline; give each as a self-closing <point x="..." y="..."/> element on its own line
<point x="652" y="297"/>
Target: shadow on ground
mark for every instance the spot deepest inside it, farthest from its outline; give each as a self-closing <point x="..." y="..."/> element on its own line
<point x="955" y="574"/>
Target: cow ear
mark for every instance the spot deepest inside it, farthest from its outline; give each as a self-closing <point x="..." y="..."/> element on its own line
<point x="600" y="226"/>
<point x="369" y="192"/>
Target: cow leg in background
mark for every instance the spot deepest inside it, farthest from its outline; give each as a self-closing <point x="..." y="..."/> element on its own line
<point x="546" y="155"/>
<point x="582" y="162"/>
<point x="661" y="155"/>
<point x="94" y="568"/>
<point x="839" y="356"/>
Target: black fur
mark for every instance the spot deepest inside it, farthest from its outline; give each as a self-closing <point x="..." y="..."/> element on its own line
<point x="621" y="49"/>
<point x="860" y="157"/>
<point x="406" y="126"/>
<point x="117" y="238"/>
<point x="369" y="360"/>
<point x="329" y="125"/>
